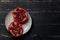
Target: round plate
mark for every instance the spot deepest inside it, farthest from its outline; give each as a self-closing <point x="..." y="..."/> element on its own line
<point x="26" y="26"/>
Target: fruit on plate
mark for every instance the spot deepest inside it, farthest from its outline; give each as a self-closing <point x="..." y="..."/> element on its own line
<point x="16" y="29"/>
<point x="20" y="15"/>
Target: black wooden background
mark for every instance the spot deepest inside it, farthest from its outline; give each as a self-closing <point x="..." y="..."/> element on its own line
<point x="45" y="15"/>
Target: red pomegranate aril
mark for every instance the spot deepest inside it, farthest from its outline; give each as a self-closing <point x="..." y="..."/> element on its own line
<point x="17" y="9"/>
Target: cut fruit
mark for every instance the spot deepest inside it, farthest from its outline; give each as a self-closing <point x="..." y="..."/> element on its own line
<point x="20" y="14"/>
<point x="15" y="28"/>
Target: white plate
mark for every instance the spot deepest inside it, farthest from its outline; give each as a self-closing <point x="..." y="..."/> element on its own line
<point x="26" y="26"/>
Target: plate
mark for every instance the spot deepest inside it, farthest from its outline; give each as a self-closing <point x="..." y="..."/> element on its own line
<point x="26" y="26"/>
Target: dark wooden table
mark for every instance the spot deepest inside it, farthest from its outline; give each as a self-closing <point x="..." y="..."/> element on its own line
<point x="45" y="15"/>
